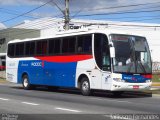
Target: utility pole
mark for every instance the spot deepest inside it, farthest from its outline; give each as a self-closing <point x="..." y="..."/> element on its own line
<point x="67" y="19"/>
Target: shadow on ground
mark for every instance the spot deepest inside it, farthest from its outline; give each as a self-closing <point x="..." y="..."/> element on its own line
<point x="103" y="94"/>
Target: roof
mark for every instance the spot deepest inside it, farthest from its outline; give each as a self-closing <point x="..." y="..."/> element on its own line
<point x="77" y="32"/>
<point x="2" y="26"/>
<point x="42" y="23"/>
<point x="58" y="23"/>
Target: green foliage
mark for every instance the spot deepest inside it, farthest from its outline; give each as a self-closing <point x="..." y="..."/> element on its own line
<point x="156" y="78"/>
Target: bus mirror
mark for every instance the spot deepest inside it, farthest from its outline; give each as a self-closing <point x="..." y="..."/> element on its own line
<point x="112" y="52"/>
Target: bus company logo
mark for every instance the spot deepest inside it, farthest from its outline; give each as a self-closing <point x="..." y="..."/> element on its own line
<point x="11" y="64"/>
<point x="106" y="78"/>
<point x="130" y="78"/>
<point x="134" y="79"/>
<point x="36" y="64"/>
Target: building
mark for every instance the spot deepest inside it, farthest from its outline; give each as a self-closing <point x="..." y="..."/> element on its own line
<point x="9" y="34"/>
<point x="49" y="26"/>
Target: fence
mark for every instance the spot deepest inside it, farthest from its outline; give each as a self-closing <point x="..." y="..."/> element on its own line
<point x="156" y="67"/>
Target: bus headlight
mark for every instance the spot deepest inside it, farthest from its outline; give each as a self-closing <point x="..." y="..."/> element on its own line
<point x="147" y="81"/>
<point x="118" y="80"/>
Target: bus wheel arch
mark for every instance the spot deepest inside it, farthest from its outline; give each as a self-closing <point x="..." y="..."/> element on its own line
<point x="84" y="85"/>
<point x="25" y="82"/>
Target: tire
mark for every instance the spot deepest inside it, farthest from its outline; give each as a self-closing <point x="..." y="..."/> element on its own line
<point x="25" y="82"/>
<point x="85" y="87"/>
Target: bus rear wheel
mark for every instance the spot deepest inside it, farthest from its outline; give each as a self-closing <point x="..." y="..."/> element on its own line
<point x="85" y="87"/>
<point x="25" y="82"/>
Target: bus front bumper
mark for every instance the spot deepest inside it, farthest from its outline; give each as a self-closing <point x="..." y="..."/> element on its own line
<point x="119" y="86"/>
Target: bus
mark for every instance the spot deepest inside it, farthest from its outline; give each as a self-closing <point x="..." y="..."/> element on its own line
<point x="86" y="60"/>
<point x="2" y="61"/>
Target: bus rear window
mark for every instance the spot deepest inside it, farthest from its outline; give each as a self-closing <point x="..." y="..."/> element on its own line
<point x="11" y="50"/>
<point x="19" y="49"/>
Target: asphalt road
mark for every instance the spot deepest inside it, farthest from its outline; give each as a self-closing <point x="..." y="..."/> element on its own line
<point x="64" y="104"/>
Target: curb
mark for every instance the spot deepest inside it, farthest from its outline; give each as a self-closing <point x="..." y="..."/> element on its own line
<point x="156" y="84"/>
<point x="2" y="80"/>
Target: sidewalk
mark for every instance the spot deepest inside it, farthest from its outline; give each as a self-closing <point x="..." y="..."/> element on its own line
<point x="156" y="84"/>
<point x="2" y="74"/>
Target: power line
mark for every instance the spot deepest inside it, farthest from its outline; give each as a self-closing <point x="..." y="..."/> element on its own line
<point x="82" y="9"/>
<point x="143" y="19"/>
<point x="15" y="13"/>
<point x="98" y="14"/>
<point x="133" y="10"/>
<point x="35" y="24"/>
<point x="51" y="26"/>
<point x="26" y="12"/>
<point x="115" y="7"/>
<point x="62" y="11"/>
<point x="126" y="17"/>
<point x="131" y="25"/>
<point x="123" y="6"/>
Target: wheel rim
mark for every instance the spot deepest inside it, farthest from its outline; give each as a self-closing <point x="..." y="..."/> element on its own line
<point x="85" y="86"/>
<point x="25" y="82"/>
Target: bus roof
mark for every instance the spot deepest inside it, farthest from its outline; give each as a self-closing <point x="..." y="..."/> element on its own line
<point x="77" y="32"/>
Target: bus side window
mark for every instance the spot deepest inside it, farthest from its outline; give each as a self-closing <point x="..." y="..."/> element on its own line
<point x="84" y="44"/>
<point x="41" y="47"/>
<point x="51" y="46"/>
<point x="32" y="48"/>
<point x="101" y="52"/>
<point x="79" y="44"/>
<point x="87" y="43"/>
<point x="68" y="45"/>
<point x="11" y="50"/>
<point x="57" y="46"/>
<point x="44" y="47"/>
<point x="72" y="44"/>
<point x="19" y="50"/>
<point x="79" y="49"/>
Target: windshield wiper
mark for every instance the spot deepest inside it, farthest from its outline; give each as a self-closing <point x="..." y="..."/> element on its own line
<point x="132" y="56"/>
<point x="140" y="63"/>
<point x="142" y="67"/>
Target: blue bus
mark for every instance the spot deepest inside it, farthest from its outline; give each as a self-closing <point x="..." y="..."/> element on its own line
<point x="86" y="59"/>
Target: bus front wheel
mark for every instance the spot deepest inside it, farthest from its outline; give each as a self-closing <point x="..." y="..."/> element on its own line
<point x="85" y="87"/>
<point x="25" y="82"/>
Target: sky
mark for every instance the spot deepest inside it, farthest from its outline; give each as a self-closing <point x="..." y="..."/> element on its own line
<point x="14" y="12"/>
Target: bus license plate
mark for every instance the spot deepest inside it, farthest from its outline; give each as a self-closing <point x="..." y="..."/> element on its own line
<point x="135" y="86"/>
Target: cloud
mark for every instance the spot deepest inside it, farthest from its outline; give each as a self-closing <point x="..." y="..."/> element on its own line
<point x="91" y="6"/>
<point x="82" y="5"/>
<point x="88" y="4"/>
<point x="78" y="4"/>
<point x="21" y="2"/>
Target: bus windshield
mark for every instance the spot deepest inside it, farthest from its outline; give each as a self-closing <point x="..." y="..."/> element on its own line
<point x="132" y="54"/>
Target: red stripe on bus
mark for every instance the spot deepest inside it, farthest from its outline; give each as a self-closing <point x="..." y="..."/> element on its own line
<point x="148" y="76"/>
<point x="70" y="58"/>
